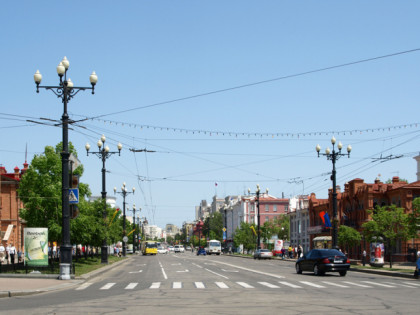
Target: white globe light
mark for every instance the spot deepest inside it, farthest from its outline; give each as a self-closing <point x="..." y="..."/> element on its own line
<point x="93" y="78"/>
<point x="61" y="69"/>
<point x="65" y="62"/>
<point x="37" y="77"/>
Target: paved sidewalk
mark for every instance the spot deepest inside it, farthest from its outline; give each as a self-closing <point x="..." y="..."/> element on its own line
<point x="18" y="285"/>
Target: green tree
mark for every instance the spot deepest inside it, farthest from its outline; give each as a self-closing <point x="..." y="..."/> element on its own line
<point x="348" y="237"/>
<point x="213" y="226"/>
<point x="244" y="235"/>
<point x="40" y="191"/>
<point x="282" y="223"/>
<point x="390" y="223"/>
<point x="414" y="219"/>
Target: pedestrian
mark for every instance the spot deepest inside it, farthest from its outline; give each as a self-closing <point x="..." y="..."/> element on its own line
<point x="295" y="251"/>
<point x="416" y="271"/>
<point x="19" y="256"/>
<point x="2" y="253"/>
<point x="283" y="253"/>
<point x="54" y="250"/>
<point x="12" y="253"/>
<point x="300" y="251"/>
<point x="290" y="251"/>
<point x="364" y="257"/>
<point x="7" y="253"/>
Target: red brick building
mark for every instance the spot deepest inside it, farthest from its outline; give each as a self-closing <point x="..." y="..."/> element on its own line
<point x="11" y="225"/>
<point x="352" y="208"/>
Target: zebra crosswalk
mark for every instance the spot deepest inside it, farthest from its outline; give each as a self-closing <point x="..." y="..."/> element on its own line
<point x="279" y="285"/>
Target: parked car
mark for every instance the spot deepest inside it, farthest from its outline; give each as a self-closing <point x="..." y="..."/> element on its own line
<point x="188" y="248"/>
<point x="170" y="248"/>
<point x="263" y="254"/>
<point x="321" y="261"/>
<point x="162" y="250"/>
<point x="179" y="249"/>
<point x="201" y="251"/>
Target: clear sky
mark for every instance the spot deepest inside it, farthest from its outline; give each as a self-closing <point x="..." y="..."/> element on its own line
<point x="174" y="54"/>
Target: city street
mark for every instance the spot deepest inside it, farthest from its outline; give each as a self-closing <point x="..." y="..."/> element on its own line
<point x="187" y="284"/>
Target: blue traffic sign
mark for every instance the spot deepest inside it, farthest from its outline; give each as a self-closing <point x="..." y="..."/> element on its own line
<point x="73" y="195"/>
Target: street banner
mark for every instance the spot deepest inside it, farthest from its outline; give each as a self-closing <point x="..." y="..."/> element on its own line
<point x="131" y="232"/>
<point x="36" y="246"/>
<point x="113" y="217"/>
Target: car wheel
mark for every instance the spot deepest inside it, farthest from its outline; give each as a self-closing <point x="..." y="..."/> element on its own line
<point x="317" y="272"/>
<point x="298" y="269"/>
<point x="343" y="273"/>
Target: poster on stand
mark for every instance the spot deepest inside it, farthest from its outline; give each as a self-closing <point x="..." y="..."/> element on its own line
<point x="36" y="246"/>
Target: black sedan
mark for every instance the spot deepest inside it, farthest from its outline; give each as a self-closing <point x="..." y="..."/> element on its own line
<point x="321" y="261"/>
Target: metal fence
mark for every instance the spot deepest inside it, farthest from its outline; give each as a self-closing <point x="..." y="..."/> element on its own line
<point x="52" y="268"/>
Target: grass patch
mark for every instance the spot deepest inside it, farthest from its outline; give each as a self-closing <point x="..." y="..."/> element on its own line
<point x="89" y="264"/>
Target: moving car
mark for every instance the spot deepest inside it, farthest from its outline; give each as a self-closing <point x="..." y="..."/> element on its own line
<point x="201" y="251"/>
<point x="179" y="249"/>
<point x="188" y="248"/>
<point x="263" y="254"/>
<point x="171" y="248"/>
<point x="162" y="250"/>
<point x="321" y="261"/>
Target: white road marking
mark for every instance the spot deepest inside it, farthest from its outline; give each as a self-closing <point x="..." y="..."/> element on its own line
<point x="199" y="285"/>
<point x="380" y="284"/>
<point x="412" y="283"/>
<point x="84" y="286"/>
<point x="403" y="285"/>
<point x="176" y="264"/>
<point x="222" y="285"/>
<point x="107" y="286"/>
<point x="251" y="270"/>
<point x="335" y="284"/>
<point x="312" y="284"/>
<point x="197" y="265"/>
<point x="216" y="273"/>
<point x="186" y="270"/>
<point x="163" y="271"/>
<point x="136" y="271"/>
<point x="229" y="270"/>
<point x="131" y="286"/>
<point x="155" y="285"/>
<point x="357" y="284"/>
<point x="177" y="285"/>
<point x="245" y="285"/>
<point x="272" y="286"/>
<point x="290" y="285"/>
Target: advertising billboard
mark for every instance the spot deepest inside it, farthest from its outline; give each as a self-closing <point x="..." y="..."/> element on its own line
<point x="36" y="246"/>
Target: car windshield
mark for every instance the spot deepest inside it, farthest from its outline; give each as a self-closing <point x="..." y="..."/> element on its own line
<point x="264" y="251"/>
<point x="160" y="247"/>
<point x="151" y="245"/>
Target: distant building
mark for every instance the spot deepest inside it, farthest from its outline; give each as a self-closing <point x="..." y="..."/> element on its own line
<point x="11" y="225"/>
<point x="299" y="222"/>
<point x="203" y="210"/>
<point x="352" y="208"/>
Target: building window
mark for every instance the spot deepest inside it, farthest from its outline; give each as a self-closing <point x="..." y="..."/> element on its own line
<point x="267" y="219"/>
<point x="275" y="208"/>
<point x="251" y="207"/>
<point x="266" y="208"/>
<point x="286" y="208"/>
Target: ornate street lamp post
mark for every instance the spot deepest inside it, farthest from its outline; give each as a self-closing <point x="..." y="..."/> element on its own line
<point x="334" y="156"/>
<point x="124" y="193"/>
<point x="103" y="153"/>
<point x="135" y="235"/>
<point x="257" y="200"/>
<point x="66" y="91"/>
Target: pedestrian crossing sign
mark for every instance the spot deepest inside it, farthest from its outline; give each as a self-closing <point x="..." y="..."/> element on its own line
<point x="73" y="195"/>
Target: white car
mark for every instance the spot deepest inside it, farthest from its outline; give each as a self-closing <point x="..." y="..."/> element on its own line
<point x="162" y="250"/>
<point x="171" y="248"/>
<point x="179" y="249"/>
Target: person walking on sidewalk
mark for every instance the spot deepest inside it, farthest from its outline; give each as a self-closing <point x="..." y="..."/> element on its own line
<point x="416" y="271"/>
<point x="364" y="257"/>
<point x="12" y="253"/>
<point x="7" y="253"/>
<point x="2" y="253"/>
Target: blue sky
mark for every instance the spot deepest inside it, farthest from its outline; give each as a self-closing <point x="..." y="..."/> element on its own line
<point x="164" y="52"/>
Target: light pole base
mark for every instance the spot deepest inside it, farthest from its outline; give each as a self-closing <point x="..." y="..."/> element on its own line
<point x="65" y="271"/>
<point x="104" y="254"/>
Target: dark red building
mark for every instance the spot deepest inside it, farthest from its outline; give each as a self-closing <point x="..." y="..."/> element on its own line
<point x="352" y="206"/>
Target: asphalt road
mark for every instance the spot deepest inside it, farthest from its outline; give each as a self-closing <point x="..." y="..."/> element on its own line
<point x="189" y="284"/>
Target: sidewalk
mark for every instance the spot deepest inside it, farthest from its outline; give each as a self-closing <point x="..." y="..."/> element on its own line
<point x="22" y="284"/>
